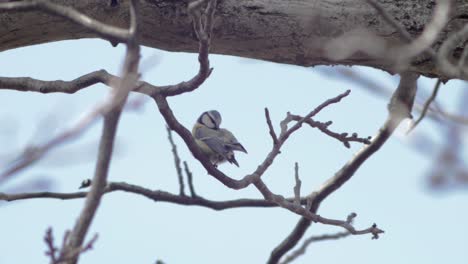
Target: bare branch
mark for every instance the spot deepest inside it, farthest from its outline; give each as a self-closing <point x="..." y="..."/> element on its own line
<point x="185" y="134"/>
<point x="51" y="249"/>
<point x="34" y="153"/>
<point x="302" y="249"/>
<point x="298" y="209"/>
<point x="106" y="31"/>
<point x="204" y="39"/>
<point x="155" y="195"/>
<point x="98" y="184"/>
<point x="27" y="84"/>
<point x="426" y="105"/>
<point x="176" y="162"/>
<point x="112" y="114"/>
<point x="284" y="123"/>
<point x="343" y="137"/>
<point x="403" y="97"/>
<point x="297" y="187"/>
<point x="190" y="180"/>
<point x="270" y="127"/>
<point x="319" y="108"/>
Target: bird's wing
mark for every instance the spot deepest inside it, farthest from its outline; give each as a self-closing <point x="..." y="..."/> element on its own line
<point x="216" y="144"/>
<point x="220" y="148"/>
<point x="232" y="143"/>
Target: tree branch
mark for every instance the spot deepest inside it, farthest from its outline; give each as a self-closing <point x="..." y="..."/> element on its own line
<point x="189" y="180"/>
<point x="106" y="31"/>
<point x="426" y="105"/>
<point x="311" y="216"/>
<point x="155" y="195"/>
<point x="399" y="108"/>
<point x="27" y="84"/>
<point x="176" y="162"/>
<point x="203" y="32"/>
<point x="297" y="187"/>
<point x="298" y="43"/>
<point x="270" y="127"/>
<point x="302" y="249"/>
<point x="112" y="112"/>
<point x="343" y="137"/>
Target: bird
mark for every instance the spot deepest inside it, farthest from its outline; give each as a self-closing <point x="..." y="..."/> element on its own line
<point x="218" y="144"/>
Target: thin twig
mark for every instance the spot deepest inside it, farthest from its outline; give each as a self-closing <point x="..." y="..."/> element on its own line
<point x="302" y="249"/>
<point x="270" y="127"/>
<point x="34" y="153"/>
<point x="176" y="162"/>
<point x="426" y="105"/>
<point x="345" y="138"/>
<point x="51" y="249"/>
<point x="297" y="187"/>
<point x="190" y="180"/>
<point x="298" y="209"/>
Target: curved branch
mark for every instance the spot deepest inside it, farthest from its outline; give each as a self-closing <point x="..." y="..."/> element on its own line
<point x="185" y="134"/>
<point x="27" y="84"/>
<point x="69" y="13"/>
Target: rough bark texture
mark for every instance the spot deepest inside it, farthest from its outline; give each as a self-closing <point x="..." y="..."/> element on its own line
<point x="295" y="31"/>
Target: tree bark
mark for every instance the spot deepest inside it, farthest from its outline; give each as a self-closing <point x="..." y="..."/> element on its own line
<point x="297" y="32"/>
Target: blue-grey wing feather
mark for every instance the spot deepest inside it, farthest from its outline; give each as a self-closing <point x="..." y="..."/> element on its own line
<point x="217" y="145"/>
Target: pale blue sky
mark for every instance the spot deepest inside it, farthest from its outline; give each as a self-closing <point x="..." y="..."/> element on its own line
<point x="390" y="189"/>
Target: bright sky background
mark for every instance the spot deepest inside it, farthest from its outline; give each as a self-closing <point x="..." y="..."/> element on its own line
<point x="390" y="189"/>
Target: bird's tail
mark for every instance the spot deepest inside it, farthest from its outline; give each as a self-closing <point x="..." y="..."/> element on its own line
<point x="232" y="159"/>
<point x="238" y="146"/>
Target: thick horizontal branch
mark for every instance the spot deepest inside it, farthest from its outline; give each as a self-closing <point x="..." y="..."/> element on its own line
<point x="294" y="32"/>
<point x="27" y="84"/>
<point x="155" y="195"/>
